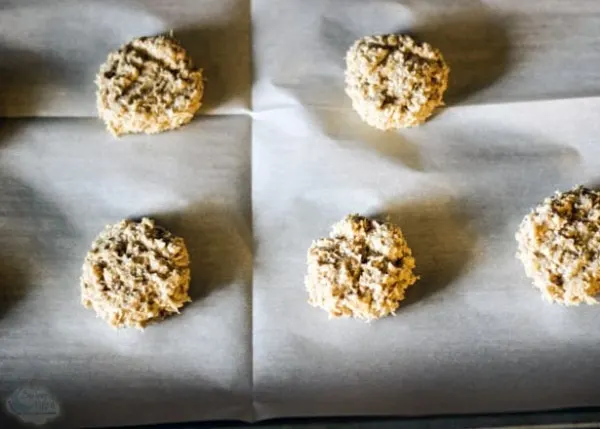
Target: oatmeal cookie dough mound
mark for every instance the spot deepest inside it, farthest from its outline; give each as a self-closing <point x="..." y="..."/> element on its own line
<point x="134" y="273"/>
<point x="148" y="86"/>
<point x="559" y="245"/>
<point x="361" y="270"/>
<point x="393" y="81"/>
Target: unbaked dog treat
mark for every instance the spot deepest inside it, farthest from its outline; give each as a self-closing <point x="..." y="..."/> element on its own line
<point x="148" y="86"/>
<point x="362" y="270"/>
<point x="135" y="272"/>
<point x="393" y="81"/>
<point x="559" y="245"/>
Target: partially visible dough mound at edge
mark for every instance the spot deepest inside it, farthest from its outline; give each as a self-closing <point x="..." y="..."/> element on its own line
<point x="362" y="270"/>
<point x="559" y="245"/>
<point x="134" y="273"/>
<point x="393" y="81"/>
<point x="148" y="86"/>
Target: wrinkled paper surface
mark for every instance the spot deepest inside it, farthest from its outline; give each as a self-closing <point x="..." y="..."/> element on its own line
<point x="277" y="156"/>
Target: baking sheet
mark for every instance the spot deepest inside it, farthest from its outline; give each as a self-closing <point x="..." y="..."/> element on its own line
<point x="260" y="174"/>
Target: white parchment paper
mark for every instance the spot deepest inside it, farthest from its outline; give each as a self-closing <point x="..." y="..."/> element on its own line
<point x="51" y="51"/>
<point x="276" y="157"/>
<point x="473" y="336"/>
<point x="60" y="182"/>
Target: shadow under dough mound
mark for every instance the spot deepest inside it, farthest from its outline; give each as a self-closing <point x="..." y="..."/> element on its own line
<point x="33" y="235"/>
<point x="349" y="131"/>
<point x="441" y="240"/>
<point x="476" y="47"/>
<point x="14" y="279"/>
<point x="593" y="184"/>
<point x="24" y="74"/>
<point x="219" y="244"/>
<point x="223" y="53"/>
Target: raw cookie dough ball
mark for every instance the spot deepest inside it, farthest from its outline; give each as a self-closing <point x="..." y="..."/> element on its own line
<point x="393" y="81"/>
<point x="148" y="86"/>
<point x="559" y="245"/>
<point x="361" y="270"/>
<point x="134" y="273"/>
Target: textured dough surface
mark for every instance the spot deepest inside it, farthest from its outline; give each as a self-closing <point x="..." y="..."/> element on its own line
<point x="135" y="272"/>
<point x="362" y="270"/>
<point x="393" y="81"/>
<point x="148" y="86"/>
<point x="559" y="245"/>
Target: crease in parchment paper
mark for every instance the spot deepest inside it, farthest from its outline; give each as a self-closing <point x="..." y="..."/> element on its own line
<point x="275" y="158"/>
